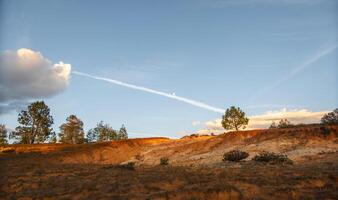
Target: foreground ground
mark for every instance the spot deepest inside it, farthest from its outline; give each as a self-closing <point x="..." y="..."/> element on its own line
<point x="196" y="171"/>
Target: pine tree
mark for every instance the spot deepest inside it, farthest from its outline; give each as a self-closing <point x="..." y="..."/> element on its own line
<point x="123" y="135"/>
<point x="3" y="134"/>
<point x="234" y="118"/>
<point x="102" y="132"/>
<point x="72" y="131"/>
<point x="35" y="124"/>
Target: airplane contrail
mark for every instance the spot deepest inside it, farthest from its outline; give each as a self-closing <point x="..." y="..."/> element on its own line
<point x="295" y="71"/>
<point x="144" y="89"/>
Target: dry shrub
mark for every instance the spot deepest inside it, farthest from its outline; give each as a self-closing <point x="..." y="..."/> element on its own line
<point x="128" y="166"/>
<point x="164" y="161"/>
<point x="324" y="131"/>
<point x="273" y="158"/>
<point x="235" y="155"/>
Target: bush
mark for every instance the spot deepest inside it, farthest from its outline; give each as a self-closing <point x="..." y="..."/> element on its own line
<point x="330" y="118"/>
<point x="129" y="166"/>
<point x="164" y="161"/>
<point x="235" y="155"/>
<point x="274" y="158"/>
<point x="324" y="131"/>
<point x="284" y="123"/>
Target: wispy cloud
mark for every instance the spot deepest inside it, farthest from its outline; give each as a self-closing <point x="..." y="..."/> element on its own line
<point x="160" y="93"/>
<point x="264" y="120"/>
<point x="295" y="71"/>
<point x="15" y="105"/>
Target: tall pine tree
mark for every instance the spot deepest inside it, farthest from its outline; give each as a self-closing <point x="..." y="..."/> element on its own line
<point x="35" y="124"/>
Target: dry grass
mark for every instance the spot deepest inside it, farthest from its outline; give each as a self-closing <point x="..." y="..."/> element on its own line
<point x="196" y="170"/>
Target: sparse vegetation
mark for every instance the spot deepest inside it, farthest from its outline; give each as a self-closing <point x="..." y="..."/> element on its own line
<point x="273" y="125"/>
<point x="284" y="123"/>
<point x="128" y="166"/>
<point x="324" y="131"/>
<point x="330" y="118"/>
<point x="102" y="132"/>
<point x="3" y="134"/>
<point x="235" y="155"/>
<point x="72" y="131"/>
<point x="273" y="158"/>
<point x="164" y="161"/>
<point x="234" y="118"/>
<point x="35" y="124"/>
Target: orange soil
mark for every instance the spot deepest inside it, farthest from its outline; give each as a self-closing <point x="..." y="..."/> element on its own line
<point x="196" y="170"/>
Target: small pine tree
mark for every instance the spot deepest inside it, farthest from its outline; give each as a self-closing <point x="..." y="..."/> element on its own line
<point x="92" y="135"/>
<point x="3" y="134"/>
<point x="123" y="135"/>
<point x="234" y="118"/>
<point x="72" y="131"/>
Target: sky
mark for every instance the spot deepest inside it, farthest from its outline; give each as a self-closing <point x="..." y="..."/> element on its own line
<point x="192" y="59"/>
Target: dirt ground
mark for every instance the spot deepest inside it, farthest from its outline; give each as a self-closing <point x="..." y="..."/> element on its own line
<point x="195" y="170"/>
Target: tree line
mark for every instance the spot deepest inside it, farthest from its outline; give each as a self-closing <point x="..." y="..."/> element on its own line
<point x="36" y="121"/>
<point x="234" y="119"/>
<point x="35" y="126"/>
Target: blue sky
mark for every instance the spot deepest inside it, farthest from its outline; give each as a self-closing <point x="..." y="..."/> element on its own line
<point x="254" y="54"/>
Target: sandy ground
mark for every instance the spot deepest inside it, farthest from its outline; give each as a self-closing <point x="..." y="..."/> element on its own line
<point x="195" y="170"/>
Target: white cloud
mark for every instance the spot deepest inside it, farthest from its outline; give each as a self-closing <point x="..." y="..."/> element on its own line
<point x="196" y="123"/>
<point x="265" y="120"/>
<point x="26" y="74"/>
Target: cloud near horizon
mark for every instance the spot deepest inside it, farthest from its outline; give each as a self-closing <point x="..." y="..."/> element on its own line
<point x="26" y="74"/>
<point x="264" y="120"/>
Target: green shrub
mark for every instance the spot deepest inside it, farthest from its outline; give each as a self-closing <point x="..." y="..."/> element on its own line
<point x="235" y="155"/>
<point x="129" y="166"/>
<point x="270" y="157"/>
<point x="164" y="161"/>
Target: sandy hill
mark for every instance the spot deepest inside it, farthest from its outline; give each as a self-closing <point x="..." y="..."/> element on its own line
<point x="195" y="170"/>
<point x="299" y="143"/>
